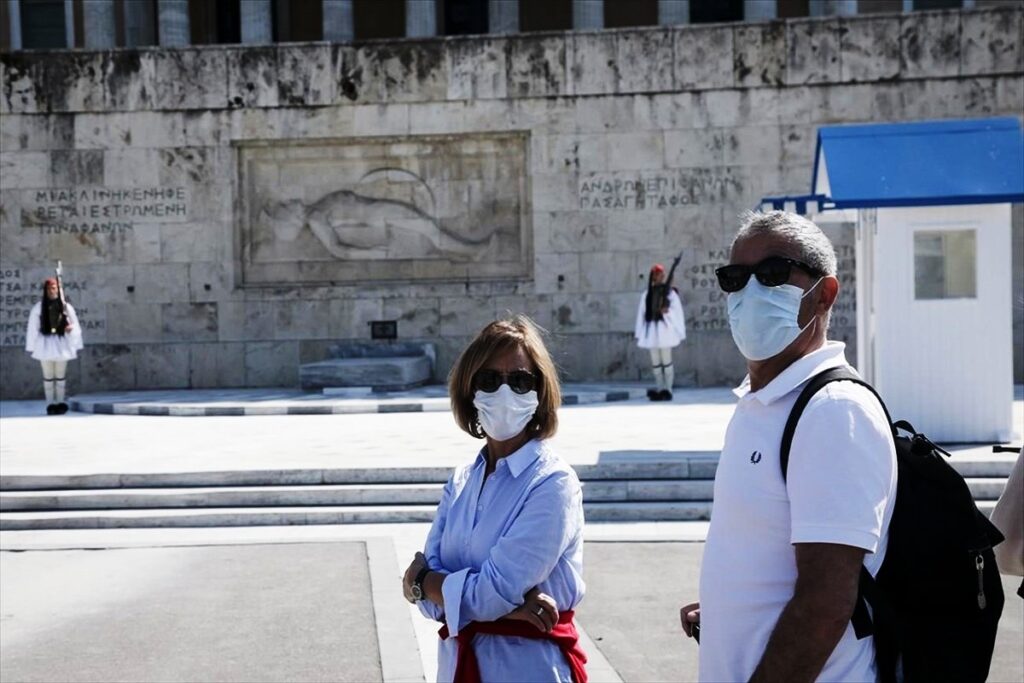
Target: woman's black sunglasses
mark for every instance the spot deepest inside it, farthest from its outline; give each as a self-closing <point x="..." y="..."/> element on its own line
<point x="519" y="381"/>
<point x="771" y="272"/>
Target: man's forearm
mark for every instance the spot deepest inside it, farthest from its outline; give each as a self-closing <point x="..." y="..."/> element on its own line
<point x="432" y="585"/>
<point x="803" y="639"/>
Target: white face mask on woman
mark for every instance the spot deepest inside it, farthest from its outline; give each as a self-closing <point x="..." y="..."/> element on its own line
<point x="504" y="413"/>
<point x="763" y="320"/>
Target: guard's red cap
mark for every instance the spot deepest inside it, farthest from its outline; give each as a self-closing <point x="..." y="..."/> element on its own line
<point x="657" y="268"/>
<point x="49" y="281"/>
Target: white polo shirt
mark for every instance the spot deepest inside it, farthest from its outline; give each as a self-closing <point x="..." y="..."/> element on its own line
<point x="841" y="489"/>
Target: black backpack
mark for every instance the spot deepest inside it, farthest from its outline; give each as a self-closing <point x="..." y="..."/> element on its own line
<point x="937" y="598"/>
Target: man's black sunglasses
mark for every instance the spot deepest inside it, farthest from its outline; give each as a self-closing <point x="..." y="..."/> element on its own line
<point x="771" y="272"/>
<point x="519" y="381"/>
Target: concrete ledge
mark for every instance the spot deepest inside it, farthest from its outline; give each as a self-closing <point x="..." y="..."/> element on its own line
<point x="245" y="402"/>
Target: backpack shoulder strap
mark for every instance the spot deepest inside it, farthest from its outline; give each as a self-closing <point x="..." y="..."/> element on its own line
<point x="838" y="374"/>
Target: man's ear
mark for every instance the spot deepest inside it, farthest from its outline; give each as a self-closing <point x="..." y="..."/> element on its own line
<point x="829" y="293"/>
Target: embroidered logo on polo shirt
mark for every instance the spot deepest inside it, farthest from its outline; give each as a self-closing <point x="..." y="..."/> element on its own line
<point x="755" y="457"/>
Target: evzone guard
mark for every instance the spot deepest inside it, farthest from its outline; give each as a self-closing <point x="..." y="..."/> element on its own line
<point x="660" y="327"/>
<point x="53" y="337"/>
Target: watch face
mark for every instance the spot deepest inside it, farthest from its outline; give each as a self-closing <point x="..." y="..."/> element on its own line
<point x="417" y="592"/>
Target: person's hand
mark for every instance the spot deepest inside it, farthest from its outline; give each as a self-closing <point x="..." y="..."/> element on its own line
<point x="688" y="616"/>
<point x="418" y="563"/>
<point x="538" y="609"/>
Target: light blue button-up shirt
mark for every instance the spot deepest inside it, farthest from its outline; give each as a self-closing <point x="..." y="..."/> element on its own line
<point x="497" y="539"/>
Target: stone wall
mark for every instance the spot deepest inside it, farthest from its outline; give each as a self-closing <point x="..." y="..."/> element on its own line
<point x="219" y="222"/>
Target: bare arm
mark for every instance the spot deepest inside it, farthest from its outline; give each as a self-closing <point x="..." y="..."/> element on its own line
<point x="817" y="615"/>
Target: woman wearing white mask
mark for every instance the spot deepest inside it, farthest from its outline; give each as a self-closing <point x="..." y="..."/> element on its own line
<point x="503" y="563"/>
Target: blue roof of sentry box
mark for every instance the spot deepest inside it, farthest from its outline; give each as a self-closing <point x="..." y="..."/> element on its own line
<point x="928" y="163"/>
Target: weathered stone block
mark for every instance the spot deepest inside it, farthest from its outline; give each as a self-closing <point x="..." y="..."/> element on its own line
<point x="477" y="69"/>
<point x="592" y="63"/>
<point x="750" y="145"/>
<point x="841" y="104"/>
<point x="272" y="364"/>
<point x="869" y="49"/>
<point x="929" y="44"/>
<point x="251" y="77"/>
<point x="416" y="317"/>
<point x="161" y="283"/>
<point x="216" y="365"/>
<point x="622" y="311"/>
<point x="380" y="119"/>
<point x="695" y="147"/>
<point x="606" y="271"/>
<point x="24" y="170"/>
<point x="536" y="66"/>
<point x="130" y="323"/>
<point x="188" y="322"/>
<point x="194" y="79"/>
<point x="21" y="377"/>
<point x="209" y="281"/>
<point x="704" y="57"/>
<point x="107" y="367"/>
<point x="308" y="319"/>
<point x="812" y="52"/>
<point x="990" y="42"/>
<point x="37" y="132"/>
<point x="632" y="230"/>
<point x="132" y="167"/>
<point x="188" y="242"/>
<point x="576" y="313"/>
<point x="645" y="61"/>
<point x="130" y="80"/>
<point x="635" y="151"/>
<point x="305" y="76"/>
<point x="759" y="52"/>
<point x="467" y="313"/>
<point x="571" y="231"/>
<point x="163" y="366"/>
<point x="350" y="318"/>
<point x="384" y="374"/>
<point x="76" y="167"/>
<point x="556" y="273"/>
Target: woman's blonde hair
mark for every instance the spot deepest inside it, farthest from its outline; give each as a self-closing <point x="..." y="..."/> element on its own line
<point x="497" y="338"/>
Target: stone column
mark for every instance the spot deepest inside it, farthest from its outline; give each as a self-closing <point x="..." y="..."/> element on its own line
<point x="760" y="10"/>
<point x="14" y="14"/>
<point x="255" y="20"/>
<point x="339" y="27"/>
<point x="587" y="14"/>
<point x="673" y="12"/>
<point x="98" y="24"/>
<point x="174" y="26"/>
<point x="822" y="8"/>
<point x="139" y="29"/>
<point x="69" y="22"/>
<point x="503" y="16"/>
<point x="420" y="18"/>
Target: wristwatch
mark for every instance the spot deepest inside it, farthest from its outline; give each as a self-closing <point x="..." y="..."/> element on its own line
<point x="417" y="584"/>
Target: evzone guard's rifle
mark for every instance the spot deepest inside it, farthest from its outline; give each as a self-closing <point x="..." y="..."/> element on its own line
<point x="666" y="287"/>
<point x="59" y="272"/>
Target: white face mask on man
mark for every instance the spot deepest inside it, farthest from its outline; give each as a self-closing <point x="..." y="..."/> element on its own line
<point x="504" y="413"/>
<point x="763" y="320"/>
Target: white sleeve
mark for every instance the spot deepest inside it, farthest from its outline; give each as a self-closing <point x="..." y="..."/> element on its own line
<point x="638" y="330"/>
<point x="32" y="331"/>
<point x="75" y="338"/>
<point x="842" y="469"/>
<point x="675" y="314"/>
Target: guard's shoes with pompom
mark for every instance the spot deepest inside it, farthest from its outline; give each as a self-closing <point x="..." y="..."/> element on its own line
<point x="51" y="409"/>
<point x="62" y="408"/>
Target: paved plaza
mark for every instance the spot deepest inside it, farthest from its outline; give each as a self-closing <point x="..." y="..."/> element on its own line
<point x="319" y="603"/>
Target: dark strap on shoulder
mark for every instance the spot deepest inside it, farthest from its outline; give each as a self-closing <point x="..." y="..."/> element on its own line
<point x="842" y="373"/>
<point x="866" y="591"/>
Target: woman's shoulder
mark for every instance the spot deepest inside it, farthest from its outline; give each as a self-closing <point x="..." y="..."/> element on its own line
<point x="551" y="465"/>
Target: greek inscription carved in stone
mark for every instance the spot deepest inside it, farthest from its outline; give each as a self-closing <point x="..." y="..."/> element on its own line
<point x="100" y="209"/>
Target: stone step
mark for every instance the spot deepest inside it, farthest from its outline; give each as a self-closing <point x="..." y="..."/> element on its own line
<point x="682" y="468"/>
<point x="290" y="516"/>
<point x="319" y="495"/>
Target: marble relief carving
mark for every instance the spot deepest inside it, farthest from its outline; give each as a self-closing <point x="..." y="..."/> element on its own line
<point x="448" y="207"/>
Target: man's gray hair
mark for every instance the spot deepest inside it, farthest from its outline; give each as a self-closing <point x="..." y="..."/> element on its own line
<point x="816" y="249"/>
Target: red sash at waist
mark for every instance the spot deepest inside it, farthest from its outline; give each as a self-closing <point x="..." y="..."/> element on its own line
<point x="564" y="635"/>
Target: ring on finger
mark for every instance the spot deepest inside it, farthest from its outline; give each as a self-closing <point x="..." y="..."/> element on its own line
<point x="540" y="611"/>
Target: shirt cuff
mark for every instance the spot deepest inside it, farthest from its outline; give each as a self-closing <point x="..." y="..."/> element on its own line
<point x="857" y="538"/>
<point x="451" y="589"/>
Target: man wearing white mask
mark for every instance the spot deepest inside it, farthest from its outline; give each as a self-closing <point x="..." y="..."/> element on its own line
<point x="779" y="578"/>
